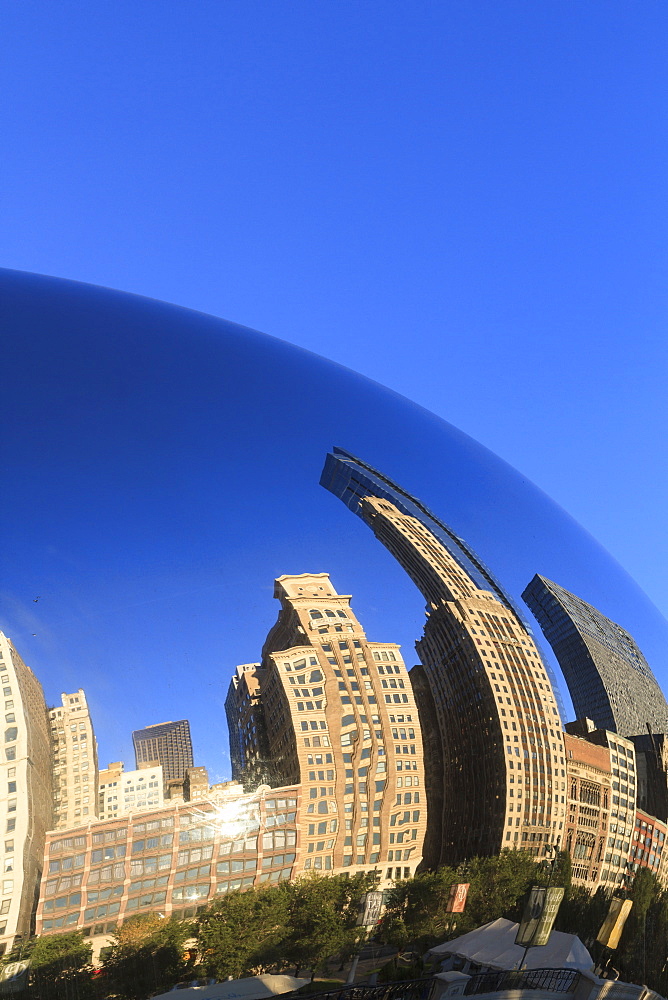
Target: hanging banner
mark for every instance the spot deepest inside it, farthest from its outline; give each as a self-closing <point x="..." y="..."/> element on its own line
<point x="457" y="898"/>
<point x="553" y="898"/>
<point x="14" y="977"/>
<point x="613" y="925"/>
<point x="373" y="903"/>
<point x="533" y="909"/>
<point x="540" y="912"/>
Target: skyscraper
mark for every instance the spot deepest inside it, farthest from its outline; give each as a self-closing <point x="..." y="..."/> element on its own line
<point x="25" y="794"/>
<point x="608" y="678"/>
<point x="74" y="761"/>
<point x="338" y="716"/>
<point x="166" y="743"/>
<point x="500" y="781"/>
<point x="249" y="753"/>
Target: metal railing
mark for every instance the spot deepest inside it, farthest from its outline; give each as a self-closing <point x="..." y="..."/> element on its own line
<point x="408" y="989"/>
<point x="551" y="980"/>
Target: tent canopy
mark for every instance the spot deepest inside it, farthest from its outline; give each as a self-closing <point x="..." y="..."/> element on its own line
<point x="252" y="988"/>
<point x="493" y="946"/>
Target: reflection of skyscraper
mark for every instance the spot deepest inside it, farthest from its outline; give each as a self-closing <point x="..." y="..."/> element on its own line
<point x="249" y="753"/>
<point x="75" y="772"/>
<point x="25" y="793"/>
<point x="336" y="712"/>
<point x="167" y="743"/>
<point x="501" y="779"/>
<point x="608" y="677"/>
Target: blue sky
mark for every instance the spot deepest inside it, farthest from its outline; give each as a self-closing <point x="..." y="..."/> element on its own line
<point x="463" y="201"/>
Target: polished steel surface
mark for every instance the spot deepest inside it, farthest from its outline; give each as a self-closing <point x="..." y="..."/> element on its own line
<point x="161" y="467"/>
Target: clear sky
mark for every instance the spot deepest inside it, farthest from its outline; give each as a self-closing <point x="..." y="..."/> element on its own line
<point x="464" y="201"/>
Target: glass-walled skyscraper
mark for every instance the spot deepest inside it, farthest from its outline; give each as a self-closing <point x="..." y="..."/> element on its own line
<point x="609" y="679"/>
<point x="166" y="743"/>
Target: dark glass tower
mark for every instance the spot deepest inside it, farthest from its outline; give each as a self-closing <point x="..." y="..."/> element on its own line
<point x="494" y="751"/>
<point x="169" y="744"/>
<point x="608" y="678"/>
<point x="351" y="480"/>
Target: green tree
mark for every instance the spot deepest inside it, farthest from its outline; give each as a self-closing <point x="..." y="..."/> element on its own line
<point x="582" y="913"/>
<point x="323" y="919"/>
<point x="244" y="933"/>
<point x="60" y="968"/>
<point x="558" y="872"/>
<point x="636" y="955"/>
<point x="498" y="885"/>
<point x="147" y="957"/>
<point x="415" y="912"/>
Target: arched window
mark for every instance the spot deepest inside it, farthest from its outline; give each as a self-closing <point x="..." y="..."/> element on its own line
<point x="313" y="613"/>
<point x="330" y="614"/>
<point x="342" y="614"/>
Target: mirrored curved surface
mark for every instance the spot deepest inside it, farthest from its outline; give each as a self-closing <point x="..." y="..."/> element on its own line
<point x="162" y="469"/>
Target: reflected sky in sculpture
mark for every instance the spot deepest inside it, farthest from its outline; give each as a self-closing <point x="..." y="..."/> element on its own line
<point x="162" y="468"/>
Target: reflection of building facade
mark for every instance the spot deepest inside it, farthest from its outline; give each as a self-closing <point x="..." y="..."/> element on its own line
<point x="652" y="773"/>
<point x="502" y="778"/>
<point x="649" y="843"/>
<point x="123" y="791"/>
<point x="25" y="793"/>
<point x="168" y="744"/>
<point x="74" y="762"/>
<point x="589" y="799"/>
<point x="173" y="859"/>
<point x="609" y="679"/>
<point x="620" y="819"/>
<point x="339" y="716"/>
<point x="249" y="752"/>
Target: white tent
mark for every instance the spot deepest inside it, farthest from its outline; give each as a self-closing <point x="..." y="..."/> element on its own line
<point x="492" y="946"/>
<point x="252" y="988"/>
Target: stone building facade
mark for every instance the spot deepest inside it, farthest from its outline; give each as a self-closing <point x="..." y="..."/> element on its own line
<point x="338" y="715"/>
<point x="75" y="768"/>
<point x="589" y="785"/>
<point x="122" y="792"/>
<point x="26" y="808"/>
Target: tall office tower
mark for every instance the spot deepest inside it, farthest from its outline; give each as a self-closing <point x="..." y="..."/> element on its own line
<point x="122" y="792"/>
<point x="25" y="794"/>
<point x="501" y="781"/>
<point x="340" y="717"/>
<point x="249" y="752"/>
<point x="608" y="677"/>
<point x="166" y="743"/>
<point x="74" y="761"/>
